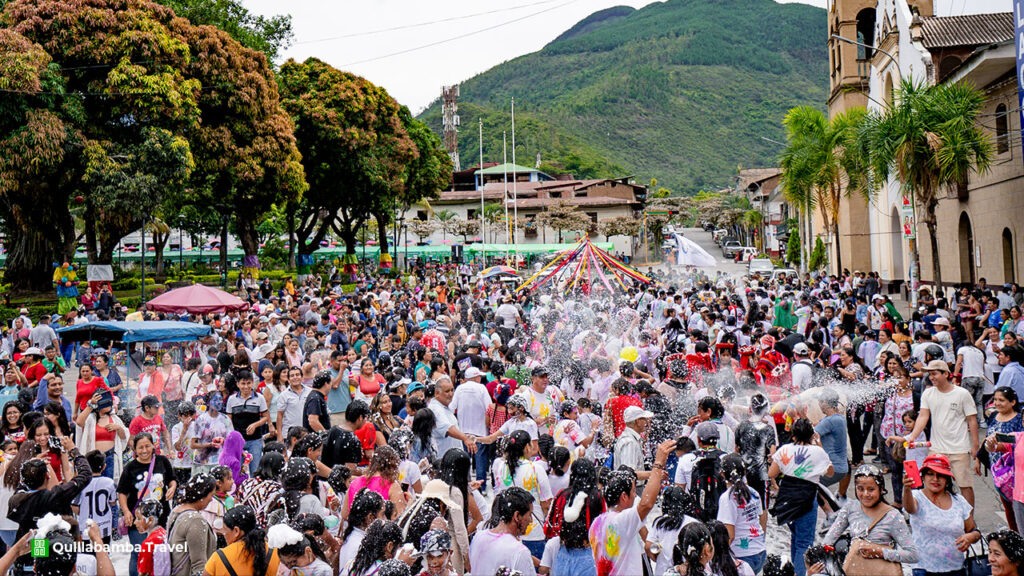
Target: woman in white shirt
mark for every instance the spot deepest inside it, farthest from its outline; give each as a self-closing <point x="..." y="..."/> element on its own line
<point x="515" y="470"/>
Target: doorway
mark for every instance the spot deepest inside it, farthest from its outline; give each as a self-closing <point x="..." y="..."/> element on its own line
<point x="966" y="242"/>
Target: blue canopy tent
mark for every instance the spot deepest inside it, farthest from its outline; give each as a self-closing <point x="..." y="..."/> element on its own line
<point x="128" y="332"/>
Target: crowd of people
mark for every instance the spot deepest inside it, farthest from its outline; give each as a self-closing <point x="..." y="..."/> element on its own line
<point x="439" y="424"/>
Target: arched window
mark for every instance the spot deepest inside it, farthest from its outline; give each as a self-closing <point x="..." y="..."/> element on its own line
<point x="1009" y="261"/>
<point x="1002" y="130"/>
<point x="865" y="33"/>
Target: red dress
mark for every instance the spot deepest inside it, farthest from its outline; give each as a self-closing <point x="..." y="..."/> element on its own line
<point x="617" y="406"/>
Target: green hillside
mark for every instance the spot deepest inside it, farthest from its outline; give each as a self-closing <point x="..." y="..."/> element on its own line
<point x="681" y="90"/>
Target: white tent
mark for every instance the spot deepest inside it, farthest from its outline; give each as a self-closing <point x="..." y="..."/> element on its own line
<point x="689" y="253"/>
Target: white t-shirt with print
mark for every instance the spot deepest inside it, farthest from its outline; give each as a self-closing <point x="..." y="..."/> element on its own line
<point x="615" y="536"/>
<point x="807" y="462"/>
<point x="529" y="476"/>
<point x="749" y="537"/>
<point x="489" y="551"/>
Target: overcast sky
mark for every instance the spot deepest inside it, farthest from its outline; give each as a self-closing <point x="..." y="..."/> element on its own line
<point x="413" y="47"/>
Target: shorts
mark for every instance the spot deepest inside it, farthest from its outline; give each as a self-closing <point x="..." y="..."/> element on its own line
<point x="963" y="474"/>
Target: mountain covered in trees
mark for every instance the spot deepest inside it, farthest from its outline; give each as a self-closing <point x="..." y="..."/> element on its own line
<point x="682" y="90"/>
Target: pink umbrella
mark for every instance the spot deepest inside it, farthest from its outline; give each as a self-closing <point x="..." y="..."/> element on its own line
<point x="196" y="299"/>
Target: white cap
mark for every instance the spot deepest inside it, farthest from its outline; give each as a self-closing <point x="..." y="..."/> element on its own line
<point x="473" y="372"/>
<point x="801" y="349"/>
<point x="634" y="413"/>
<point x="34" y="351"/>
<point x="940" y="321"/>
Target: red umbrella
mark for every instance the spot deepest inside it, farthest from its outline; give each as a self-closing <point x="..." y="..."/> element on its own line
<point x="196" y="299"/>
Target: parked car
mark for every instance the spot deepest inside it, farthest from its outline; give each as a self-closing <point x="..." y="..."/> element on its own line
<point x="720" y="235"/>
<point x="787" y="272"/>
<point x="730" y="248"/>
<point x="745" y="253"/>
<point x="762" y="266"/>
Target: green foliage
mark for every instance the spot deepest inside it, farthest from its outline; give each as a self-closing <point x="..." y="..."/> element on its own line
<point x="273" y="254"/>
<point x="931" y="139"/>
<point x="819" y="259"/>
<point x="793" y="247"/>
<point x="681" y="90"/>
<point x="267" y="35"/>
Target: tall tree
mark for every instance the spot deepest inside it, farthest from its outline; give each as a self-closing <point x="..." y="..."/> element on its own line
<point x="824" y="160"/>
<point x="38" y="157"/>
<point x="564" y="217"/>
<point x="930" y="139"/>
<point x="268" y="35"/>
<point x="354" y="147"/>
<point x="247" y="160"/>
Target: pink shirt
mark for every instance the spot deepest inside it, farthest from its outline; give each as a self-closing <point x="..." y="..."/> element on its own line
<point x="376" y="484"/>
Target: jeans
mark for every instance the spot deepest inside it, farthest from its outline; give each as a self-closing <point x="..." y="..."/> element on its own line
<point x="536" y="547"/>
<point x="9" y="537"/>
<point x="254" y="447"/>
<point x="574" y="562"/>
<point x="858" y="434"/>
<point x="136" y="538"/>
<point x="481" y="460"/>
<point x="802" y="531"/>
<point x="976" y="386"/>
<point x="756" y="562"/>
<point x="920" y="572"/>
<point x="108" y="466"/>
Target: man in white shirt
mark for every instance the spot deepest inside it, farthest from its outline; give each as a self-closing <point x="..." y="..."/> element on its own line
<point x="955" y="425"/>
<point x="802" y="369"/>
<point x="508" y="313"/>
<point x="290" y="403"/>
<point x="629" y="444"/>
<point x="447" y="433"/>
<point x="470" y="403"/>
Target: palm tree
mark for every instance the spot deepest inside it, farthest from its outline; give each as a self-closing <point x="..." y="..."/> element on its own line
<point x="823" y="161"/>
<point x="445" y="217"/>
<point x="494" y="215"/>
<point x="929" y="139"/>
<point x="752" y="220"/>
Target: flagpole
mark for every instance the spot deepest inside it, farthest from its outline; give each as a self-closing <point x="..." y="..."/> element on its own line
<point x="504" y="200"/>
<point x="483" y="235"/>
<point x="515" y="196"/>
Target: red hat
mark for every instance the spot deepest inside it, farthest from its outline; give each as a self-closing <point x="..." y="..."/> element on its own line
<point x="939" y="464"/>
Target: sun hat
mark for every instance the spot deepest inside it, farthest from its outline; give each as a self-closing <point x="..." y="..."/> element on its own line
<point x="634" y="413"/>
<point x="439" y="489"/>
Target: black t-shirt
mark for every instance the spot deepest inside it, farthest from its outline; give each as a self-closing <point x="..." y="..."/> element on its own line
<point x="341" y="447"/>
<point x="133" y="481"/>
<point x="316" y="404"/>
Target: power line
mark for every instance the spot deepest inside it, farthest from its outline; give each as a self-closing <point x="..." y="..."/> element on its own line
<point x="422" y="24"/>
<point x="460" y="37"/>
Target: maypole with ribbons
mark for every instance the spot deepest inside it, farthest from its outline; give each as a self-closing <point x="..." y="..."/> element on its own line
<point x="580" y="266"/>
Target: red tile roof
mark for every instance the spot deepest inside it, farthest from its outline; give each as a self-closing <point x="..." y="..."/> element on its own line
<point x="969" y="30"/>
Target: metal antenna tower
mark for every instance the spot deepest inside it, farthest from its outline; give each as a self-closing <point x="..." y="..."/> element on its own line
<point x="450" y="122"/>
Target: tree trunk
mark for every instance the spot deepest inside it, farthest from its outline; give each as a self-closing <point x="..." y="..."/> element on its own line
<point x="249" y="238"/>
<point x="90" y="235"/>
<point x="936" y="268"/>
<point x="839" y="255"/>
<point x="290" y="215"/>
<point x="382" y="233"/>
<point x="159" y="242"/>
<point x="224" y="254"/>
<point x="36" y="239"/>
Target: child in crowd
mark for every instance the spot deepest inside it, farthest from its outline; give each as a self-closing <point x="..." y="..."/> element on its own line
<point x="97" y="501"/>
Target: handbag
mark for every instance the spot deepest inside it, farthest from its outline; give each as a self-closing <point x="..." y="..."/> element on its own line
<point x="122" y="527"/>
<point x="977" y="564"/>
<point x="857" y="565"/>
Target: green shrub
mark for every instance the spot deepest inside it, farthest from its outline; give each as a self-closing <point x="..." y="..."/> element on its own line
<point x="819" y="259"/>
<point x="793" y="247"/>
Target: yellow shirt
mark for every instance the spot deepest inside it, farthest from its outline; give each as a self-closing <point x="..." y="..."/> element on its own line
<point x="239" y="560"/>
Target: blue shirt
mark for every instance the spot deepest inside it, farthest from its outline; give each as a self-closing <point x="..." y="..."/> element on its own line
<point x="42" y="400"/>
<point x="832" y="430"/>
<point x="1013" y="376"/>
<point x="338" y="398"/>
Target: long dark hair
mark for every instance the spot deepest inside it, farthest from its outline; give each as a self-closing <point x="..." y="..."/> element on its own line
<point x="722" y="563"/>
<point x="365" y="505"/>
<point x="378" y="536"/>
<point x="455" y="472"/>
<point x="4" y="427"/>
<point x="423" y="424"/>
<point x="55" y="408"/>
<point x="254" y="539"/>
<point x="515" y="447"/>
<point x="271" y="466"/>
<point x="690" y="547"/>
<point x="676" y="505"/>
<point x="12" y="478"/>
<point x="736" y="474"/>
<point x="582" y="479"/>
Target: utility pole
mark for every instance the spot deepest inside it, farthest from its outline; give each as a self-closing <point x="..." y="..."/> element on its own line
<point x="483" y="234"/>
<point x="515" y="178"/>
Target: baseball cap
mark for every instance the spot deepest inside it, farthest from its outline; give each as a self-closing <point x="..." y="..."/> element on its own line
<point x="208" y="369"/>
<point x="473" y="372"/>
<point x="939" y="464"/>
<point x="937" y="365"/>
<point x="262" y="336"/>
<point x="801" y="349"/>
<point x="634" y="413"/>
<point x="707" y="431"/>
<point x="413" y="386"/>
<point x="539" y="371"/>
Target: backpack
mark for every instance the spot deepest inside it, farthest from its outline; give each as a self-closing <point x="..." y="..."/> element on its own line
<point x="707" y="483"/>
<point x="402" y="331"/>
<point x="162" y="554"/>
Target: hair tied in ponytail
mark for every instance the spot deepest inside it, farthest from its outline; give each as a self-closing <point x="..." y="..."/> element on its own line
<point x="572" y="511"/>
